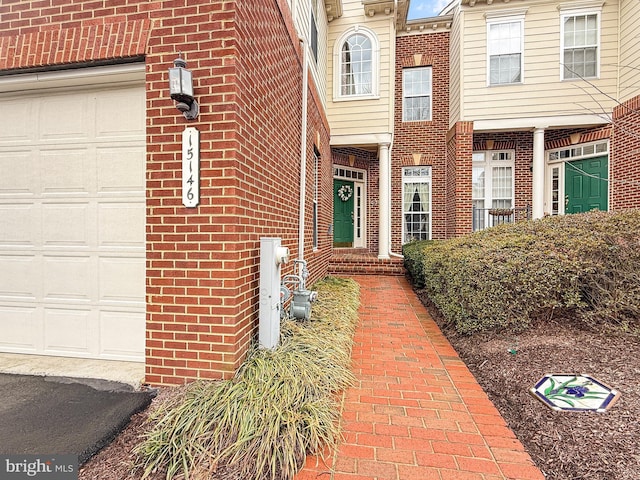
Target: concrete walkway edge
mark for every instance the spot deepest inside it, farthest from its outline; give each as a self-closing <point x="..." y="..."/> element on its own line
<point x="416" y="411"/>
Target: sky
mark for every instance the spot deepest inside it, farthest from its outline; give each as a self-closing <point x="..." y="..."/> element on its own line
<point x="425" y="8"/>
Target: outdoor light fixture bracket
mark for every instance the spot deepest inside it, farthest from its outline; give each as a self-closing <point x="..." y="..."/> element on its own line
<point x="181" y="89"/>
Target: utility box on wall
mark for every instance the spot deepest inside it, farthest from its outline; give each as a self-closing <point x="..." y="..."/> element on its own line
<point x="272" y="256"/>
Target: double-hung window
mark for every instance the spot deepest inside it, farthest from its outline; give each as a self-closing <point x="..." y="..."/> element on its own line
<point x="505" y="46"/>
<point x="416" y="203"/>
<point x="580" y="45"/>
<point x="492" y="187"/>
<point x="416" y="94"/>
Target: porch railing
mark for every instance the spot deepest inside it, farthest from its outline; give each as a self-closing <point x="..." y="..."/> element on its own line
<point x="490" y="217"/>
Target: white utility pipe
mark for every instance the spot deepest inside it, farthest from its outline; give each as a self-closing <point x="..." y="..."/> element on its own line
<point x="303" y="154"/>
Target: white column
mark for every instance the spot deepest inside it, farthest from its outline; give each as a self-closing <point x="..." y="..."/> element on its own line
<point x="384" y="222"/>
<point x="538" y="173"/>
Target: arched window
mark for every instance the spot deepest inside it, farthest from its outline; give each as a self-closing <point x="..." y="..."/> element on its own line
<point x="356" y="66"/>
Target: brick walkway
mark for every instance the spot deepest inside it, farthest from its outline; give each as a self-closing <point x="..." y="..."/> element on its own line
<point x="415" y="412"/>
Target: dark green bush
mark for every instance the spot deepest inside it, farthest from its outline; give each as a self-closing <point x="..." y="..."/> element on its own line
<point x="413" y="254"/>
<point x="584" y="266"/>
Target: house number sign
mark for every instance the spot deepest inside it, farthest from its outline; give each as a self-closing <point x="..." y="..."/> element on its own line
<point x="190" y="167"/>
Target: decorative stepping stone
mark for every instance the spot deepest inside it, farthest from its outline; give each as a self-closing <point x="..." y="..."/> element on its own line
<point x="570" y="392"/>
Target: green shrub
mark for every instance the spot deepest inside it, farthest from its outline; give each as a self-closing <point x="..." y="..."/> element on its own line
<point x="281" y="405"/>
<point x="582" y="265"/>
<point x="413" y="260"/>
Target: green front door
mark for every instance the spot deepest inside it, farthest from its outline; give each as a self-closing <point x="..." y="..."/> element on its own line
<point x="586" y="185"/>
<point x="342" y="213"/>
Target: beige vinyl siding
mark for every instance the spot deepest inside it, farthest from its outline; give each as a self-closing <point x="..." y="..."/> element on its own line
<point x="455" y="57"/>
<point x="542" y="93"/>
<point x="302" y="20"/>
<point x="366" y="116"/>
<point x="629" y="50"/>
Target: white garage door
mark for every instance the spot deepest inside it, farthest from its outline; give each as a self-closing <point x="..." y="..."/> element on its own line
<point x="72" y="222"/>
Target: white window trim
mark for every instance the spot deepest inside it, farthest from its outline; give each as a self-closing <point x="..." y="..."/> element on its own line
<point x="498" y="19"/>
<point x="375" y="65"/>
<point x="430" y="95"/>
<point x="571" y="157"/>
<point x="316" y="203"/>
<point x="487" y="164"/>
<point x="430" y="182"/>
<point x="566" y="12"/>
<point x="549" y="190"/>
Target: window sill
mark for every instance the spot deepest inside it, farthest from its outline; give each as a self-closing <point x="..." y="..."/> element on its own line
<point x="430" y="120"/>
<point x="497" y="85"/>
<point x="579" y="79"/>
<point x="353" y="98"/>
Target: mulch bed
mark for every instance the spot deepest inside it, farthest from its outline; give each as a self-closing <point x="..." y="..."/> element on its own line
<point x="564" y="445"/>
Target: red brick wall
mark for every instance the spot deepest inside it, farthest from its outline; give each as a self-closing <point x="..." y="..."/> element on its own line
<point x="563" y="137"/>
<point x="450" y="185"/>
<point x="421" y="142"/>
<point x="202" y="263"/>
<point x="522" y="144"/>
<point x="368" y="161"/>
<point x="625" y="156"/>
<point x="37" y="33"/>
<point x="458" y="181"/>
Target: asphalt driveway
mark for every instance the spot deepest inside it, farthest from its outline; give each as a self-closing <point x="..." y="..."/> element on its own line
<point x="58" y="415"/>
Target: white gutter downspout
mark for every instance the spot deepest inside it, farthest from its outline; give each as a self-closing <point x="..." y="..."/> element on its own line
<point x="303" y="153"/>
<point x="393" y="102"/>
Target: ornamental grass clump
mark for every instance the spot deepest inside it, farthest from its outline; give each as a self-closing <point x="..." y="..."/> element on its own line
<point x="582" y="266"/>
<point x="281" y="405"/>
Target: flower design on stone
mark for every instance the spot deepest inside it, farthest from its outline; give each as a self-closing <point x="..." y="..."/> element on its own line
<point x="568" y="391"/>
<point x="577" y="391"/>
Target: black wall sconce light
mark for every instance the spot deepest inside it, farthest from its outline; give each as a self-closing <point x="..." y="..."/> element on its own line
<point x="181" y="89"/>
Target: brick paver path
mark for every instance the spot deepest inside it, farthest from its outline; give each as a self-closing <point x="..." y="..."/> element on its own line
<point x="415" y="412"/>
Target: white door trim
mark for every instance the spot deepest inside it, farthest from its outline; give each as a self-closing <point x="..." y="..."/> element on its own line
<point x="359" y="178"/>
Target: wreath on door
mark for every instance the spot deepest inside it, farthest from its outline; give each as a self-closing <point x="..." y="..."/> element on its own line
<point x="345" y="192"/>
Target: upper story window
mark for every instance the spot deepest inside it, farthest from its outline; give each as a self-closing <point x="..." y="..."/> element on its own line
<point x="580" y="44"/>
<point x="505" y="45"/>
<point x="356" y="64"/>
<point x="416" y="94"/>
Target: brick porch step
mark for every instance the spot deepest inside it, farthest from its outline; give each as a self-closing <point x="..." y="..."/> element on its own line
<point x="361" y="262"/>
